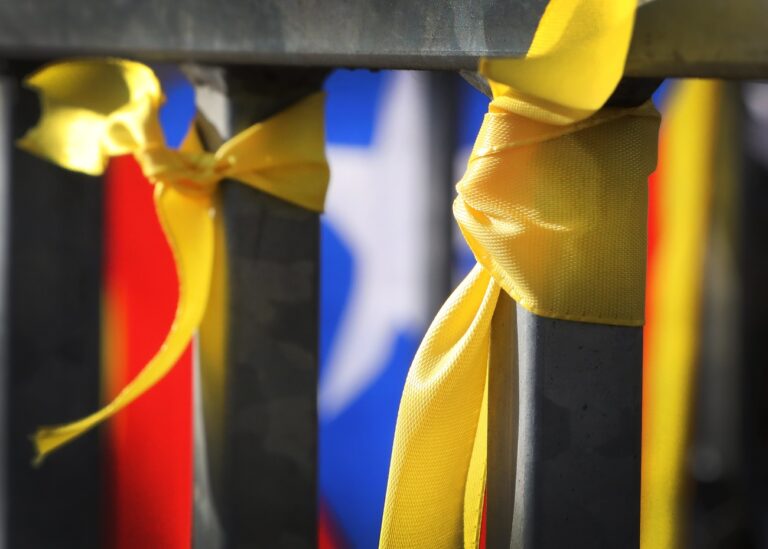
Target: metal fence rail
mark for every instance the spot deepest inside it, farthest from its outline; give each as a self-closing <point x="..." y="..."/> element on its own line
<point x="572" y="444"/>
<point x="707" y="38"/>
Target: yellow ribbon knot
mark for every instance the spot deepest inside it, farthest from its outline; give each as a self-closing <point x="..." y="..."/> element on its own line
<point x="553" y="206"/>
<point x="95" y="109"/>
<point x="186" y="171"/>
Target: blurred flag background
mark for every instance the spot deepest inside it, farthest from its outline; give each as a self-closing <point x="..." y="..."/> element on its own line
<point x="376" y="274"/>
<point x="388" y="262"/>
<point x="374" y="282"/>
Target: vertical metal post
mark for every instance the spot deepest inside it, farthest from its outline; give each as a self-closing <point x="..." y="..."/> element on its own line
<point x="753" y="259"/>
<point x="565" y="412"/>
<point x="267" y="491"/>
<point x="443" y="127"/>
<point x="718" y="515"/>
<point x="502" y="424"/>
<point x="5" y="154"/>
<point x="50" y="355"/>
<point x="564" y="432"/>
<point x="578" y="461"/>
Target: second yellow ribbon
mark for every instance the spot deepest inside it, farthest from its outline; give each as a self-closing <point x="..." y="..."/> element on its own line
<point x="553" y="206"/>
<point x="95" y="109"/>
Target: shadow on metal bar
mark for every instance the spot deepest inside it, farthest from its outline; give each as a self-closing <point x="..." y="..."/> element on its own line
<point x="51" y="352"/>
<point x="265" y="491"/>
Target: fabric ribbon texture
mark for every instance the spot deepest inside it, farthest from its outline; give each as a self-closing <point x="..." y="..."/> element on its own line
<point x="95" y="109"/>
<point x="553" y="205"/>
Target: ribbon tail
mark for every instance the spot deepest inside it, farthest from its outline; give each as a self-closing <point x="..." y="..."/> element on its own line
<point x="477" y="473"/>
<point x="437" y="424"/>
<point x="213" y="354"/>
<point x="558" y="81"/>
<point x="188" y="223"/>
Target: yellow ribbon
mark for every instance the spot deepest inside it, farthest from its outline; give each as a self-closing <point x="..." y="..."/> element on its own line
<point x="94" y="109"/>
<point x="685" y="185"/>
<point x="553" y="205"/>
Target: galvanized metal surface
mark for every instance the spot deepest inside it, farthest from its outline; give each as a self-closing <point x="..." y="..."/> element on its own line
<point x="503" y="408"/>
<point x="6" y="88"/>
<point x="265" y="494"/>
<point x="577" y="481"/>
<point x="443" y="103"/>
<point x="51" y="350"/>
<point x="377" y="33"/>
<point x="704" y="38"/>
<point x="271" y="432"/>
<point x="673" y="37"/>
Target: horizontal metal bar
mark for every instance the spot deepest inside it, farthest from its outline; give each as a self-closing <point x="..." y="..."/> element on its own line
<point x="373" y="33"/>
<point x="706" y="38"/>
<point x="700" y="38"/>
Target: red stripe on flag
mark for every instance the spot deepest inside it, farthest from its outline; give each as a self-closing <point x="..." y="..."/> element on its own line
<point x="329" y="534"/>
<point x="484" y="521"/>
<point x="654" y="230"/>
<point x="149" y="498"/>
